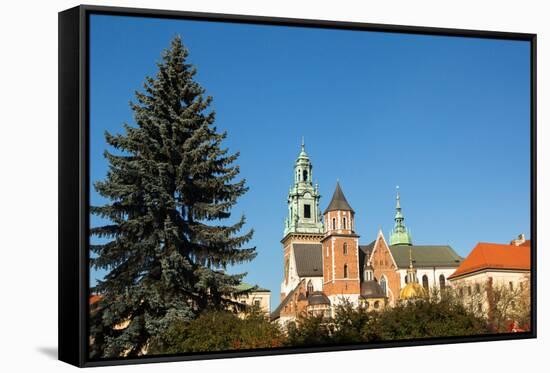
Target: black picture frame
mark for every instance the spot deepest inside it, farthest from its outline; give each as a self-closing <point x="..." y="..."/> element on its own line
<point x="74" y="178"/>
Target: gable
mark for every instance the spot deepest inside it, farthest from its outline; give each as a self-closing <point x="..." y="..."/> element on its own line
<point x="381" y="256"/>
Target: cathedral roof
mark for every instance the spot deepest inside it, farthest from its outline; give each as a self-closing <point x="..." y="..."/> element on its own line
<point x="277" y="312"/>
<point x="425" y="256"/>
<point x="309" y="259"/>
<point x="338" y="201"/>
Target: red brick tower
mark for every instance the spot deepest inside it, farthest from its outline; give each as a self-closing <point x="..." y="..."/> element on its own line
<point x="340" y="251"/>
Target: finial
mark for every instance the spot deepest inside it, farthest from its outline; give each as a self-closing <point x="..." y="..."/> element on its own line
<point x="410" y="258"/>
<point x="303" y="143"/>
<point x="398" y="198"/>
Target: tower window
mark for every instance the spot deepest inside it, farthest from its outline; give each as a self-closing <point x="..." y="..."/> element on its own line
<point x="304" y="175"/>
<point x="333" y="223"/>
<point x="345" y="248"/>
<point x="344" y="223"/>
<point x="307" y="211"/>
<point x="309" y="287"/>
<point x="345" y="271"/>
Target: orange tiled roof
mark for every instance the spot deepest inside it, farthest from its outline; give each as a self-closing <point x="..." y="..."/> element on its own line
<point x="94" y="298"/>
<point x="496" y="256"/>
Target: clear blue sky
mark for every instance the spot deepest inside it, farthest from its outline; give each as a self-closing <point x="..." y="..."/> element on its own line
<point x="445" y="118"/>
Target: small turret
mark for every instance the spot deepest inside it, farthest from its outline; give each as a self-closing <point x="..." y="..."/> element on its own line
<point x="413" y="290"/>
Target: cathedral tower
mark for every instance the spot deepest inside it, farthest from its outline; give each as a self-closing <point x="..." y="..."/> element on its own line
<point x="400" y="235"/>
<point x="304" y="224"/>
<point x="340" y="251"/>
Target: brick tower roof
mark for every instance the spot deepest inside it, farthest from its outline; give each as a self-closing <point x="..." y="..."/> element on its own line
<point x="338" y="201"/>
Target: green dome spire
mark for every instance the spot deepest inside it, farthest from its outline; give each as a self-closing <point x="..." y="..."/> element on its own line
<point x="400" y="235"/>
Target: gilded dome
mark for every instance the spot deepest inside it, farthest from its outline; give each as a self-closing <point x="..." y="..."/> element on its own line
<point x="412" y="290"/>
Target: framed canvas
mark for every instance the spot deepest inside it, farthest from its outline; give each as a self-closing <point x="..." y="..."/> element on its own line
<point x="233" y="186"/>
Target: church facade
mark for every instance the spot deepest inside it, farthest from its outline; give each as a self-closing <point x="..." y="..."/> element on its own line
<point x="325" y="263"/>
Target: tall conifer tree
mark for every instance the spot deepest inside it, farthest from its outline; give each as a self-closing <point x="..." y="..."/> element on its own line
<point x="169" y="186"/>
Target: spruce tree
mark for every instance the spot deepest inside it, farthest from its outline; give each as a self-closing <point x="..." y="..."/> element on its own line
<point x="169" y="186"/>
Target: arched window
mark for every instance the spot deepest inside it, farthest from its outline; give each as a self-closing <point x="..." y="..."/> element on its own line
<point x="442" y="282"/>
<point x="376" y="305"/>
<point x="304" y="174"/>
<point x="367" y="275"/>
<point x="333" y="223"/>
<point x="511" y="284"/>
<point x="425" y="282"/>
<point x="309" y="287"/>
<point x="406" y="279"/>
<point x="383" y="285"/>
<point x="478" y="289"/>
<point x="344" y="224"/>
<point x="469" y="290"/>
<point x="345" y="248"/>
<point x="345" y="271"/>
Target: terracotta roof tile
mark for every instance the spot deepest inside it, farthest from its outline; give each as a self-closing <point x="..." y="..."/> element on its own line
<point x="495" y="256"/>
<point x="94" y="298"/>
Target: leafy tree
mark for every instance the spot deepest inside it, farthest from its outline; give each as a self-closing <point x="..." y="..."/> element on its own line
<point x="351" y="324"/>
<point x="169" y="184"/>
<point x="441" y="316"/>
<point x="219" y="331"/>
<point x="309" y="330"/>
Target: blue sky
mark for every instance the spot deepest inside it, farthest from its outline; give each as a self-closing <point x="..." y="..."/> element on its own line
<point x="445" y="118"/>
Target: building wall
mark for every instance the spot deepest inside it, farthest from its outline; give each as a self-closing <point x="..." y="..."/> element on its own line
<point x="472" y="288"/>
<point x="334" y="262"/>
<point x="260" y="298"/>
<point x="432" y="273"/>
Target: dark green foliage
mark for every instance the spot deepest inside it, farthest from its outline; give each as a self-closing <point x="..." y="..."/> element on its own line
<point x="309" y="331"/>
<point x="219" y="331"/>
<point x="169" y="182"/>
<point x="351" y="324"/>
<point x="426" y="318"/>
